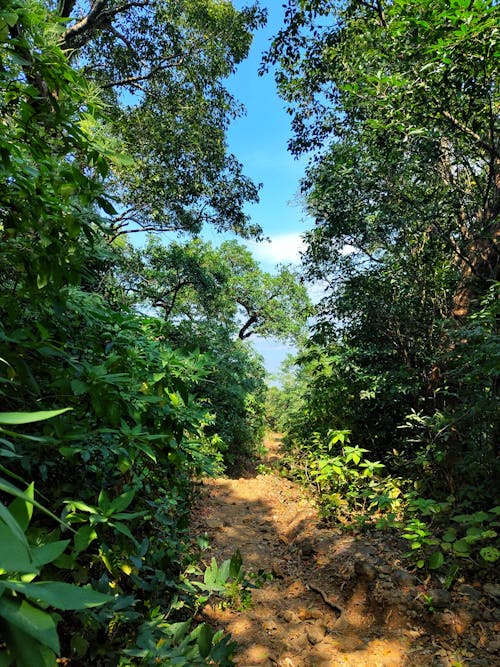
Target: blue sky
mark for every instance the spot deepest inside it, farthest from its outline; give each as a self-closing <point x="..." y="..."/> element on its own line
<point x="259" y="140"/>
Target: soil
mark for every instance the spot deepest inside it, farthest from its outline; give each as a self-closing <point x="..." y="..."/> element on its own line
<point x="335" y="597"/>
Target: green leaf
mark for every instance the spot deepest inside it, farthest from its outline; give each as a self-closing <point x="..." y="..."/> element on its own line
<point x="7" y="487"/>
<point x="103" y="501"/>
<point x="42" y="280"/>
<point x="223" y="572"/>
<point x="123" y="529"/>
<point x="10" y="18"/>
<point x="16" y="529"/>
<point x="84" y="536"/>
<point x="490" y="554"/>
<point x="32" y="621"/>
<point x="205" y="635"/>
<point x="21" y="509"/>
<point x="129" y="515"/>
<point x="28" y="651"/>
<point x="83" y="507"/>
<point x="78" y="387"/>
<point x="436" y="560"/>
<point x="14" y="553"/>
<point x="467" y="519"/>
<point x="179" y="630"/>
<point x="106" y="205"/>
<point x="59" y="595"/>
<point x="475" y="532"/>
<point x="79" y="645"/>
<point x="14" y="418"/>
<point x="47" y="553"/>
<point x="449" y="535"/>
<point x="120" y="503"/>
<point x="461" y="548"/>
<point x="5" y="660"/>
<point x="235" y="564"/>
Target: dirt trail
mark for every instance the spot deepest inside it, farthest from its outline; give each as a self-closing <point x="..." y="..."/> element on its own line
<point x="334" y="599"/>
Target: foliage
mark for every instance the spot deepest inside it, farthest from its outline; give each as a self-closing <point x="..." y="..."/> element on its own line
<point x="348" y="485"/>
<point x="162" y="66"/>
<point x="223" y="286"/>
<point x="50" y="203"/>
<point x="130" y="425"/>
<point x="469" y="538"/>
<point x="397" y="104"/>
<point x="29" y="631"/>
<point x="216" y="298"/>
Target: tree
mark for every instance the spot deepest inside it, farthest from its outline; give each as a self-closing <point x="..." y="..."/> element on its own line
<point x="407" y="84"/>
<point x="161" y="64"/>
<point x="398" y="104"/>
<point x="50" y="200"/>
<point x="198" y="283"/>
<point x="107" y="424"/>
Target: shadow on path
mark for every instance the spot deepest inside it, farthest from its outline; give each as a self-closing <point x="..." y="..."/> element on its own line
<point x="334" y="599"/>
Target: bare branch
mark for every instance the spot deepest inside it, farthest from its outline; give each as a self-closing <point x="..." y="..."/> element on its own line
<point x="97" y="15"/>
<point x="244" y="331"/>
<point x="126" y="41"/>
<point x="134" y="80"/>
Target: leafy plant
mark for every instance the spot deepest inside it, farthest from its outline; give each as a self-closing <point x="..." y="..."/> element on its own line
<point x="28" y="626"/>
<point x="445" y="544"/>
<point x="346" y="481"/>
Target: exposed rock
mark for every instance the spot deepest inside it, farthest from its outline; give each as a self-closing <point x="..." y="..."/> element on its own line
<point x="493" y="590"/>
<point x="305" y="548"/>
<point x="441" y="599"/>
<point x="315" y="634"/>
<point x="277" y="570"/>
<point x="307" y="614"/>
<point x="403" y="578"/>
<point x="290" y="616"/>
<point x="365" y="569"/>
<point x="493" y="646"/>
<point x="469" y="591"/>
<point x="269" y="625"/>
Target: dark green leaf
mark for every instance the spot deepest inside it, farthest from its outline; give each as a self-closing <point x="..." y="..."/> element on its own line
<point x="30" y="620"/>
<point x="60" y="595"/>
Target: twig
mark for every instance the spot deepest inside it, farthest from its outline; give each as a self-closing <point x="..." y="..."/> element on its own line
<point x="333" y="605"/>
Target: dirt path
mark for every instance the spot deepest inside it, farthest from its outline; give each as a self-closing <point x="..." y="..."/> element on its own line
<point x="334" y="599"/>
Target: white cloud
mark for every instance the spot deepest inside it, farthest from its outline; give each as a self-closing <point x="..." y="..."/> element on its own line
<point x="283" y="248"/>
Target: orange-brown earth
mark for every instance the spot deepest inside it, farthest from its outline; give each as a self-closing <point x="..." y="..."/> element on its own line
<point x="335" y="598"/>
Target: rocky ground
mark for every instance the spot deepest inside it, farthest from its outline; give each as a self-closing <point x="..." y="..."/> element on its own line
<point x="335" y="598"/>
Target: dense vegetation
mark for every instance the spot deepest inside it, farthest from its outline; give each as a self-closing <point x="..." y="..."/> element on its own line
<point x="397" y="103"/>
<point x="125" y="369"/>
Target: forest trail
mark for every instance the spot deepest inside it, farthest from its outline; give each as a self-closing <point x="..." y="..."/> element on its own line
<point x="334" y="598"/>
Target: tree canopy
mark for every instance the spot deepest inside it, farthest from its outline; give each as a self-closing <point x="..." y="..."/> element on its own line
<point x="397" y="105"/>
<point x="162" y="65"/>
<point x="195" y="281"/>
<point x="126" y="371"/>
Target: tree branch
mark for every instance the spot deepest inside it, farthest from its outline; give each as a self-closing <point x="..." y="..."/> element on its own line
<point x="243" y="332"/>
<point x="377" y="7"/>
<point x="97" y="15"/>
<point x="134" y="80"/>
<point x="86" y="23"/>
<point x="467" y="130"/>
